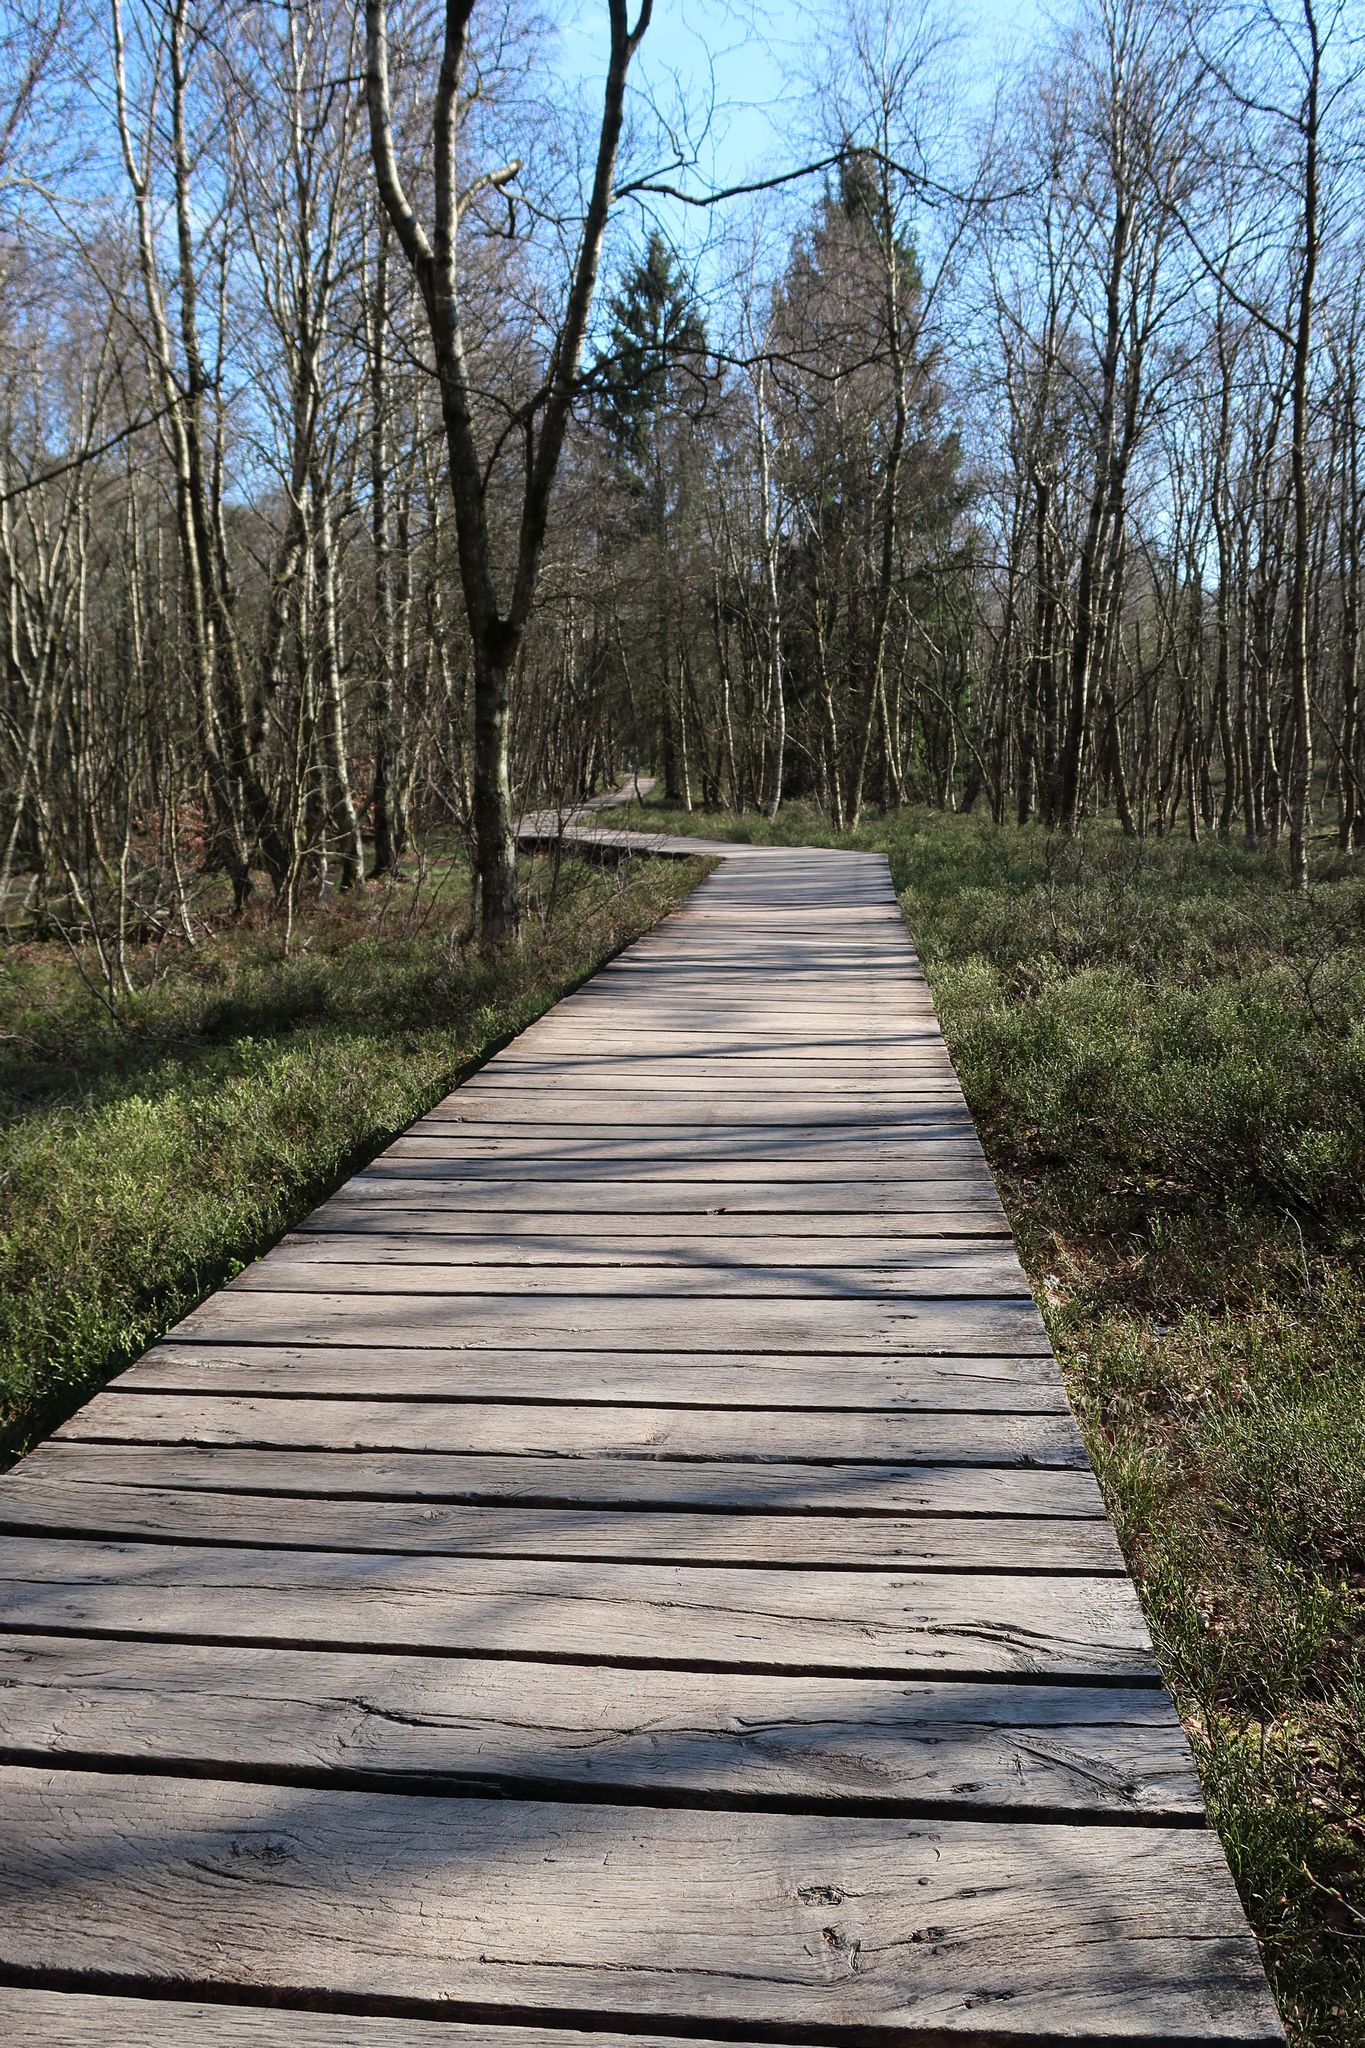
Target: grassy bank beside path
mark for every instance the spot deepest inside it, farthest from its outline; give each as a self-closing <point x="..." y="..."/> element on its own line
<point x="1165" y="1053"/>
<point x="143" y="1161"/>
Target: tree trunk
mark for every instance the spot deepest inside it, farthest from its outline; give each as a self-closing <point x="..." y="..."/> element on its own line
<point x="495" y="848"/>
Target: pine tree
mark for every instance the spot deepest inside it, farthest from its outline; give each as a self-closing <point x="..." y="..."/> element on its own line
<point x="651" y="380"/>
<point x="655" y="357"/>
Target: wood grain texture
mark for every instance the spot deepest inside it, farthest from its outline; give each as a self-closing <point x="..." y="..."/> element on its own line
<point x="934" y="1147"/>
<point x="810" y="1023"/>
<point x="933" y="1105"/>
<point x="770" y="1076"/>
<point x="774" y="1919"/>
<point x="492" y="1233"/>
<point x="844" y="1542"/>
<point x="750" y="1165"/>
<point x="643" y="1483"/>
<point x="400" y="1265"/>
<point x="563" y="1430"/>
<point x="673" y="1010"/>
<point x="52" y="2019"/>
<point x="890" y="1624"/>
<point x="573" y="1323"/>
<point x="1105" y="1752"/>
<point x="680" y="1378"/>
<point x="554" y="1043"/>
<point x="424" y="1182"/>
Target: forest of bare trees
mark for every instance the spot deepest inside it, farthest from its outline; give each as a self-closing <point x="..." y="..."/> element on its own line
<point x="386" y="448"/>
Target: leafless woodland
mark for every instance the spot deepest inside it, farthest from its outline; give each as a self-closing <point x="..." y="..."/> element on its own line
<point x="398" y="431"/>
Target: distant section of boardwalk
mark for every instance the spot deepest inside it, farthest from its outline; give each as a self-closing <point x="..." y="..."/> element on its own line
<point x="624" y="1569"/>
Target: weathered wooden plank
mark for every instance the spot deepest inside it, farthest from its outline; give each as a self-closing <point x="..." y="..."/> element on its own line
<point x="751" y="1192"/>
<point x="492" y="1233"/>
<point x="596" y="1083"/>
<point x="829" y="929"/>
<point x="82" y="2019"/>
<point x="721" y="981"/>
<point x="714" y="1380"/>
<point x="563" y="1430"/>
<point x="692" y="1013"/>
<point x="942" y="1139"/>
<point x="708" y="984"/>
<point x="571" y="1323"/>
<point x="416" y="1268"/>
<point x="903" y="1019"/>
<point x="936" y="1105"/>
<point x="779" y="983"/>
<point x="744" y="956"/>
<point x="825" y="951"/>
<point x="743" y="1012"/>
<point x="882" y="1021"/>
<point x="779" y="1075"/>
<point x="843" y="1050"/>
<point x="817" y="970"/>
<point x="758" y="1097"/>
<point x="639" y="1483"/>
<point x="557" y="1034"/>
<point x="709" y="919"/>
<point x="742" y="949"/>
<point x="892" y="1623"/>
<point x="782" y="994"/>
<point x="724" y="1051"/>
<point x="1108" y="1751"/>
<point x="844" y="926"/>
<point x="694" y="1027"/>
<point x="844" y="920"/>
<point x="57" y="1507"/>
<point x="641" y="1059"/>
<point x="773" y="1077"/>
<point x="662" y="995"/>
<point x="865" y="1925"/>
<point x="716" y="1159"/>
<point x="852" y="931"/>
<point x="773" y="1090"/>
<point x="806" y="974"/>
<point x="691" y="1028"/>
<point x="743" y="960"/>
<point x="830" y="952"/>
<point x="910" y="1027"/>
<point x="913" y="1037"/>
<point x="711" y="978"/>
<point x="597" y="1078"/>
<point x="912" y="1034"/>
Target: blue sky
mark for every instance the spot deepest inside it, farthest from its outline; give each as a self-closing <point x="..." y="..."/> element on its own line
<point x="753" y="64"/>
<point x="757" y="57"/>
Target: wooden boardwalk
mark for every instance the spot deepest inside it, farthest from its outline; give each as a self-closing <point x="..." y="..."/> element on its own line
<point x="624" y="1567"/>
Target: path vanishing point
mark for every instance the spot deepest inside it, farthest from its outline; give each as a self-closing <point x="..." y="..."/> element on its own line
<point x="623" y="1568"/>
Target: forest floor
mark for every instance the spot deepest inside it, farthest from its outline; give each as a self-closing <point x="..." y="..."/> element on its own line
<point x="146" y="1157"/>
<point x="1165" y="1054"/>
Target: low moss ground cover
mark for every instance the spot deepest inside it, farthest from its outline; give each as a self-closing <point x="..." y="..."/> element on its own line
<point x="1165" y="1053"/>
<point x="145" y="1158"/>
